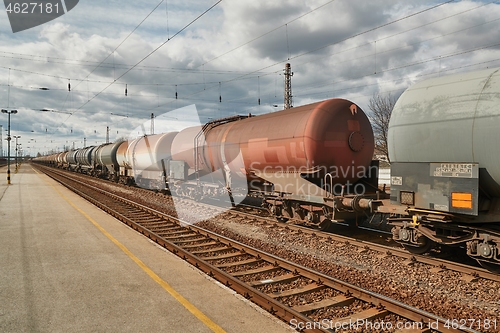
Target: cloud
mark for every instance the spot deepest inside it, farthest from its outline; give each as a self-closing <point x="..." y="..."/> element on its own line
<point x="235" y="53"/>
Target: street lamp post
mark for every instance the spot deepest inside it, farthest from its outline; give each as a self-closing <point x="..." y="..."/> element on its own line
<point x="16" y="137"/>
<point x="8" y="140"/>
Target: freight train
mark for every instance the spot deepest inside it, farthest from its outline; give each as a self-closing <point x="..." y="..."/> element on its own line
<point x="313" y="164"/>
<point x="310" y="163"/>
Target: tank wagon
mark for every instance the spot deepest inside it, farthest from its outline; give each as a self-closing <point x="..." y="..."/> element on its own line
<point x="311" y="163"/>
<point x="445" y="164"/>
<point x="148" y="158"/>
<point x="106" y="158"/>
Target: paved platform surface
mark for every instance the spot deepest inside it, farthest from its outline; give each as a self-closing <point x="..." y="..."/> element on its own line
<point x="66" y="266"/>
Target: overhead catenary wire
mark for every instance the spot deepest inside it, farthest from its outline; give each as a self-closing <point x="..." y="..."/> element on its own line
<point x="217" y="82"/>
<point x="156" y="68"/>
<point x="400" y="33"/>
<point x="154" y="51"/>
<point x="124" y="40"/>
<point x="317" y="49"/>
<point x="440" y="57"/>
<point x="144" y="58"/>
<point x="386" y="24"/>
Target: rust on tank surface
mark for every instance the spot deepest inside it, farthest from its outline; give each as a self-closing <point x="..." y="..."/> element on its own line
<point x="121" y="154"/>
<point x="331" y="134"/>
<point x="334" y="135"/>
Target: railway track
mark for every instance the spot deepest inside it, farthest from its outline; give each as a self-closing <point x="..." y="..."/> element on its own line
<point x="469" y="272"/>
<point x="309" y="301"/>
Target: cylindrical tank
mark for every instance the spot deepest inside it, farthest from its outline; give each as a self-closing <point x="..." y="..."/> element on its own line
<point x="84" y="156"/>
<point x="147" y="152"/>
<point x="453" y="118"/>
<point x="121" y="154"/>
<point x="64" y="157"/>
<point x="106" y="156"/>
<point x="59" y="157"/>
<point x="332" y="136"/>
<point x="183" y="145"/>
<point x="95" y="152"/>
<point x="71" y="157"/>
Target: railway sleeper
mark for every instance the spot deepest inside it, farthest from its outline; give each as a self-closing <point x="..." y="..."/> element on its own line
<point x="225" y="256"/>
<point x="286" y="278"/>
<point x="175" y="231"/>
<point x="265" y="269"/>
<point x="163" y="229"/>
<point x="161" y="222"/>
<point x="336" y="301"/>
<point x="192" y="246"/>
<point x="363" y="316"/>
<point x="250" y="261"/>
<point x="212" y="250"/>
<point x="169" y="236"/>
<point x="310" y="288"/>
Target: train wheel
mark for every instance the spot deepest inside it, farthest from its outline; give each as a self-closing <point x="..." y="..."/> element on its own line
<point x="425" y="245"/>
<point x="324" y="225"/>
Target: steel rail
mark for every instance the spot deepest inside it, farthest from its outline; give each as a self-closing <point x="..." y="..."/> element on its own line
<point x="471" y="272"/>
<point x="265" y="301"/>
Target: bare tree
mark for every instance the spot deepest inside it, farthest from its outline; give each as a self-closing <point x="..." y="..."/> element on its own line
<point x="381" y="107"/>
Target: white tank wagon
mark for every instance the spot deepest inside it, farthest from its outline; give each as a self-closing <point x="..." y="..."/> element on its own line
<point x="148" y="158"/>
<point x="444" y="148"/>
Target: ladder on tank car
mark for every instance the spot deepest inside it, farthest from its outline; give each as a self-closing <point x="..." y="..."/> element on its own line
<point x="199" y="140"/>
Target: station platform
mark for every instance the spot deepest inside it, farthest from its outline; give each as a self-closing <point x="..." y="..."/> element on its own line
<point x="66" y="266"/>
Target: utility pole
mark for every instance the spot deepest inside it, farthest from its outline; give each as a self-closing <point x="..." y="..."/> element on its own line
<point x="17" y="151"/>
<point x="288" y="86"/>
<point x="1" y="141"/>
<point x="107" y="134"/>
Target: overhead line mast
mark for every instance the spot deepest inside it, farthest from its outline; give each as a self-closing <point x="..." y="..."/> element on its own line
<point x="288" y="87"/>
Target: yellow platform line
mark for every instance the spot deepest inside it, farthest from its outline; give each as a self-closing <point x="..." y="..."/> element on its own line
<point x="188" y="305"/>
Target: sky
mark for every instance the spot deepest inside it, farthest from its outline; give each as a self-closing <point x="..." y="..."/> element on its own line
<point x="221" y="59"/>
